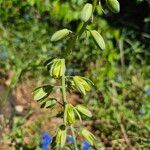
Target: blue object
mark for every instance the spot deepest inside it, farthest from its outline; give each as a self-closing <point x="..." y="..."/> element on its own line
<point x="142" y="111"/>
<point x="70" y="139"/>
<point x="86" y="145"/>
<point x="46" y="141"/>
<point x="147" y="91"/>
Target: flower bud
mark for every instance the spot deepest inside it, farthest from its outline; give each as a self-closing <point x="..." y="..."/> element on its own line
<point x="57" y="68"/>
<point x="113" y="5"/>
<point x="69" y="115"/>
<point x="98" y="39"/>
<point x="58" y="35"/>
<point x="86" y="12"/>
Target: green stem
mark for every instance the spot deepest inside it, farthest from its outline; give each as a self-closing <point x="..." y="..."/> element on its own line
<point x="64" y="102"/>
<point x="65" y="54"/>
<point x="63" y="82"/>
<point x="74" y="38"/>
<point x="74" y="137"/>
<point x="94" y="4"/>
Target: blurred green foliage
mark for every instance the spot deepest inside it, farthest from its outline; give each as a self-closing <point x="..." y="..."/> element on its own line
<point x="121" y="73"/>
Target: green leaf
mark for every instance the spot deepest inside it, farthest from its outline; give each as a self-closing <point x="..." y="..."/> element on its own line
<point x="41" y="92"/>
<point x="56" y="69"/>
<point x="88" y="81"/>
<point x="54" y="62"/>
<point x="113" y="5"/>
<point x="98" y="39"/>
<point x="85" y="85"/>
<point x="76" y="111"/>
<point x="82" y="109"/>
<point x="86" y="12"/>
<point x="88" y="136"/>
<point x="49" y="103"/>
<point x="58" y="35"/>
<point x="63" y="67"/>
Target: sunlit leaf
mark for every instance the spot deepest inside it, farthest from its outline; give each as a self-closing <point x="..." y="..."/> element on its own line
<point x="49" y="103"/>
<point x="88" y="136"/>
<point x="56" y="69"/>
<point x="54" y="62"/>
<point x="41" y="92"/>
<point x="76" y="111"/>
<point x="82" y="109"/>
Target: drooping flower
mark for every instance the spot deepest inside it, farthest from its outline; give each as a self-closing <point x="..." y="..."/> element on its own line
<point x="70" y="139"/>
<point x="86" y="145"/>
<point x="46" y="140"/>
